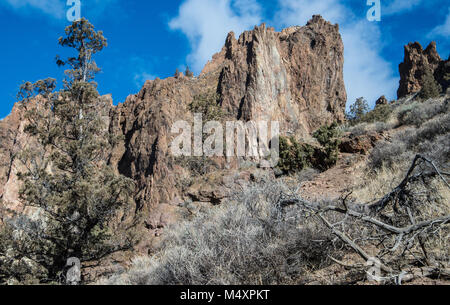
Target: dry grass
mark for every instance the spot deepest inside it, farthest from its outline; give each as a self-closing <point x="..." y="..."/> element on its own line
<point x="425" y="129"/>
<point x="249" y="240"/>
<point x="427" y="132"/>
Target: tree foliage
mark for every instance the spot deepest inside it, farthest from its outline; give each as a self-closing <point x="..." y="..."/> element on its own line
<point x="189" y="73"/>
<point x="328" y="137"/>
<point x="359" y="112"/>
<point x="68" y="182"/>
<point x="207" y="104"/>
<point x="294" y="156"/>
<point x="430" y="87"/>
<point x="358" y="109"/>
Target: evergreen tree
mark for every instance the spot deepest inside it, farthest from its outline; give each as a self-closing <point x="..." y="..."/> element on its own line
<point x="177" y="73"/>
<point x="358" y="109"/>
<point x="189" y="73"/>
<point x="329" y="139"/>
<point x="430" y="87"/>
<point x="68" y="180"/>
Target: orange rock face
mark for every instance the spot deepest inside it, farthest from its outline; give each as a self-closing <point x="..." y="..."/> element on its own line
<point x="359" y="144"/>
<point x="294" y="76"/>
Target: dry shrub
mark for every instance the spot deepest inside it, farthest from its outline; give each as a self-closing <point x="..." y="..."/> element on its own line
<point x="417" y="113"/>
<point x="388" y="154"/>
<point x="249" y="240"/>
<point x="365" y="128"/>
<point x="433" y="128"/>
<point x="430" y="139"/>
<point x="358" y="129"/>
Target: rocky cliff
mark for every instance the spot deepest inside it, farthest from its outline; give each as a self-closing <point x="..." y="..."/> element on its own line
<point x="417" y="63"/>
<point x="294" y="76"/>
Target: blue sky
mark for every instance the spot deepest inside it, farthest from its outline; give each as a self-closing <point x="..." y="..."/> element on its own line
<point x="149" y="39"/>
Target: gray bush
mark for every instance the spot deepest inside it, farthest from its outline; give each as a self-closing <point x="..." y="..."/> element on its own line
<point x="387" y="154"/>
<point x="417" y="113"/>
<point x="431" y="139"/>
<point x="249" y="240"/>
<point x="434" y="128"/>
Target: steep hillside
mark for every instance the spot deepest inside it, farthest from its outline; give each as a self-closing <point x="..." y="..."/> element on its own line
<point x="246" y="224"/>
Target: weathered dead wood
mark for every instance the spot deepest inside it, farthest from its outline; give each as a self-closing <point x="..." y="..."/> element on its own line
<point x="374" y="221"/>
<point x="358" y="266"/>
<point x="424" y="272"/>
<point x="404" y="237"/>
<point x="352" y="244"/>
<point x="383" y="202"/>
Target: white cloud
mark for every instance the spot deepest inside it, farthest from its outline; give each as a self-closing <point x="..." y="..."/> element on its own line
<point x="55" y="8"/>
<point x="366" y="72"/>
<point x="207" y="22"/>
<point x="443" y="29"/>
<point x="141" y="78"/>
<point x="399" y="6"/>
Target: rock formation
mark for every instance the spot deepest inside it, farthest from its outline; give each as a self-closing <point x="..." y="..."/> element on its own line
<point x="416" y="64"/>
<point x="359" y="144"/>
<point x="442" y="74"/>
<point x="381" y="101"/>
<point x="294" y="76"/>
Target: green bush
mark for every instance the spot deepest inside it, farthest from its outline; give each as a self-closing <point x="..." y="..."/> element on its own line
<point x="359" y="113"/>
<point x="208" y="105"/>
<point x="430" y="87"/>
<point x="381" y="113"/>
<point x="294" y="156"/>
<point x="328" y="137"/>
<point x="327" y="134"/>
<point x="198" y="166"/>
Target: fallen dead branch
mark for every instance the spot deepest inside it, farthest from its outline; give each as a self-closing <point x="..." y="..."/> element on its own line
<point x="391" y="242"/>
<point x="399" y="190"/>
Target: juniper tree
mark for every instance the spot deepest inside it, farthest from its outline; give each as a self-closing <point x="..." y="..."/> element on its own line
<point x="430" y="87"/>
<point x="358" y="109"/>
<point x="188" y="72"/>
<point x="68" y="179"/>
<point x="329" y="138"/>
